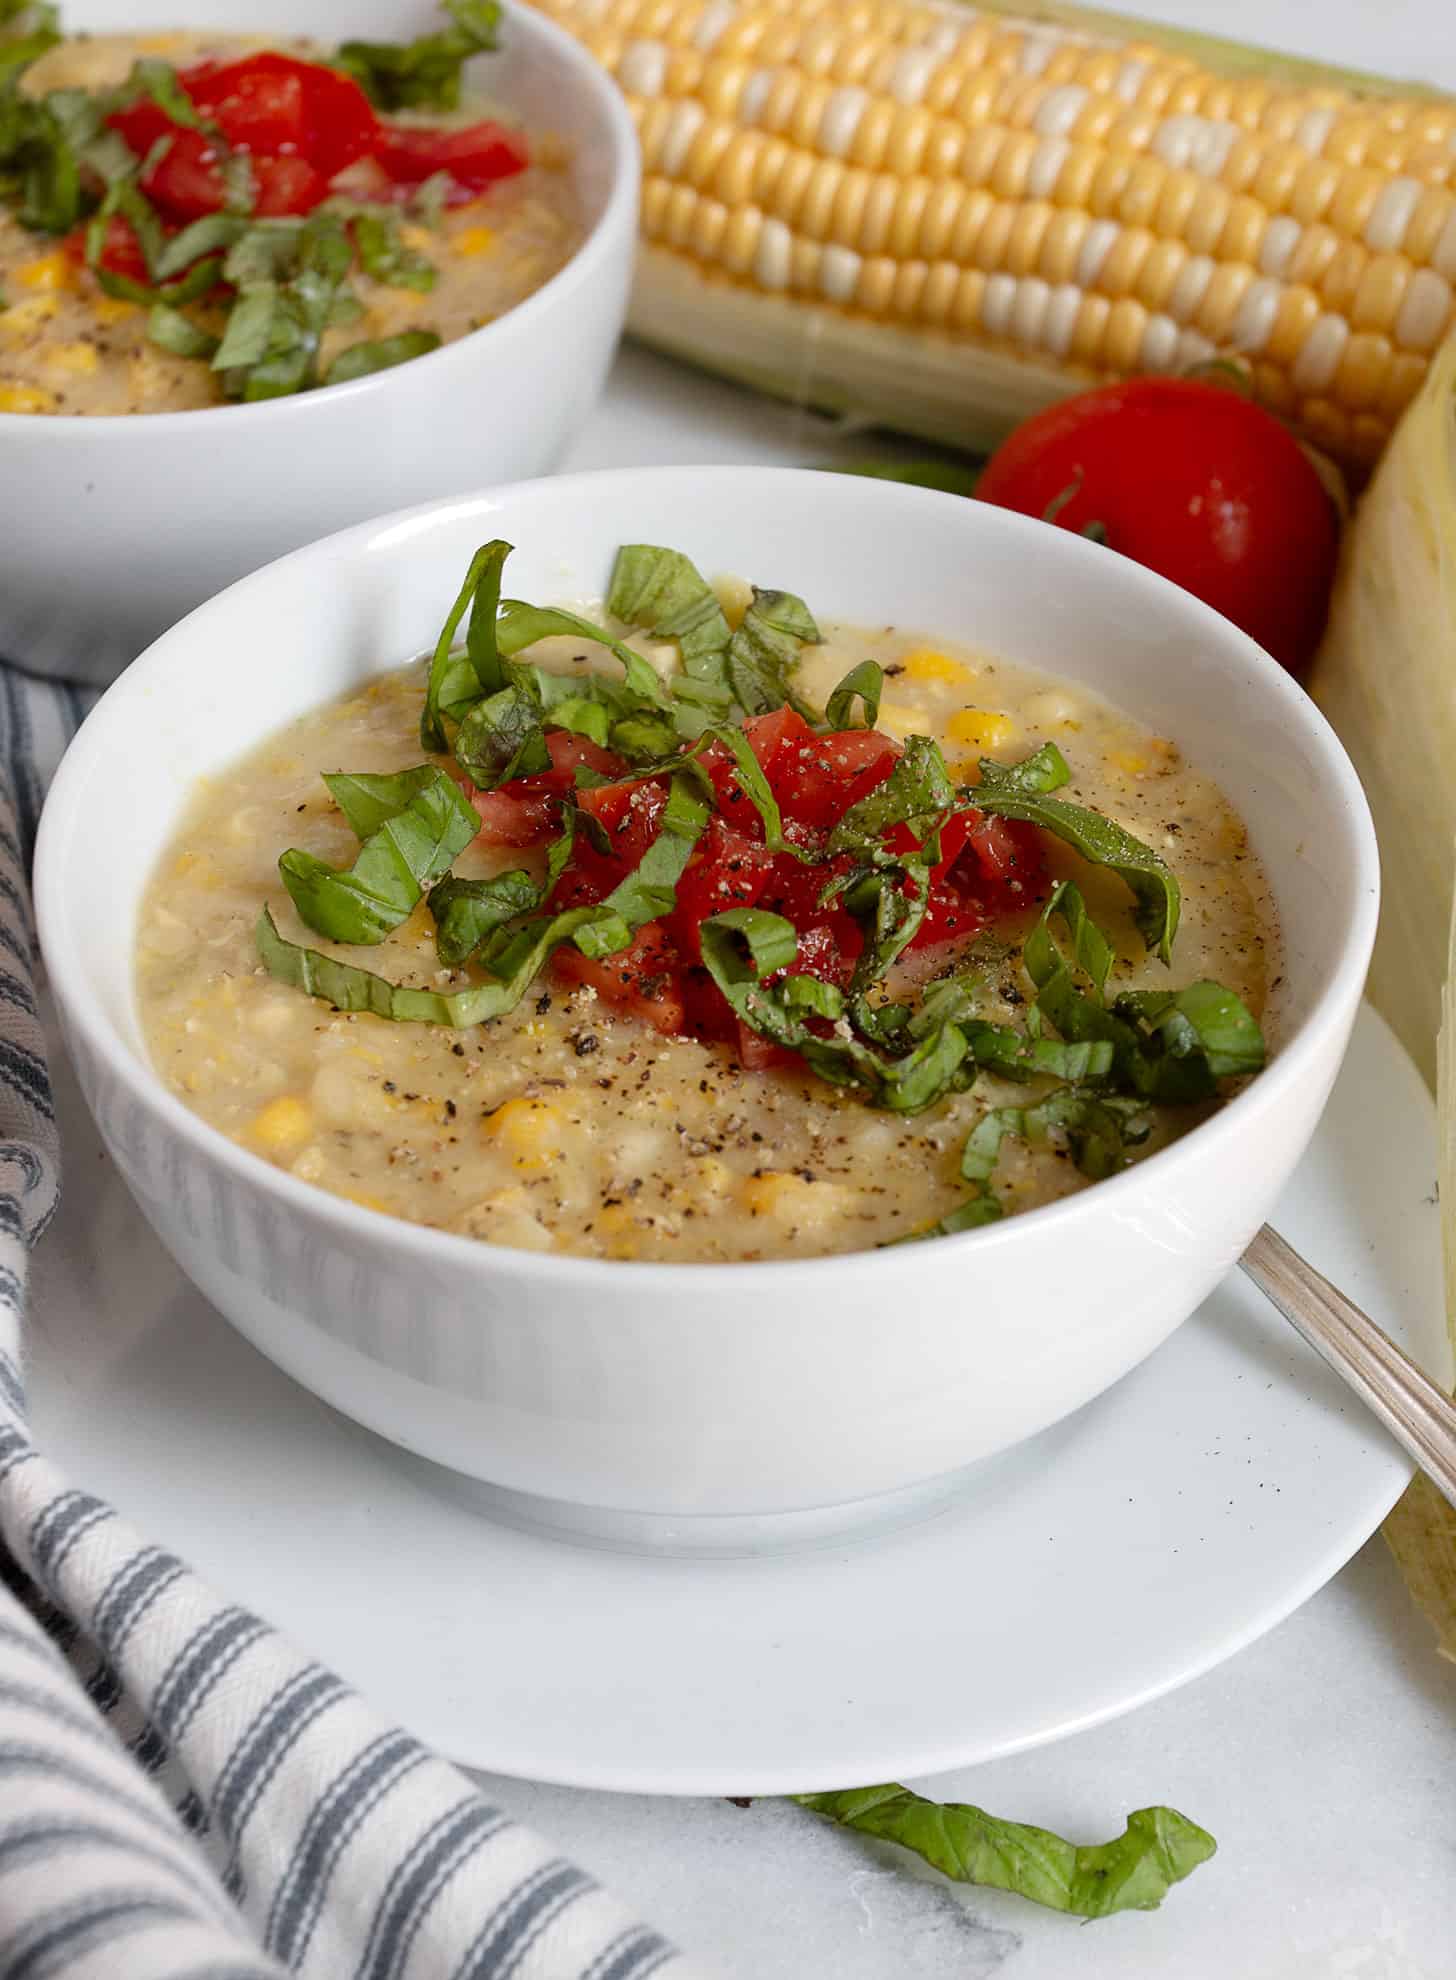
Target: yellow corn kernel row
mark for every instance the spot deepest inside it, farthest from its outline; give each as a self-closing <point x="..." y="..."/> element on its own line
<point x="1031" y="190"/>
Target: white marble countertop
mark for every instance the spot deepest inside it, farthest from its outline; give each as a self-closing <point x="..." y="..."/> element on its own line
<point x="1322" y="1758"/>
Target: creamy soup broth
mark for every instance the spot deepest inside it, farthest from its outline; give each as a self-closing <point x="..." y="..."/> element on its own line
<point x="564" y="1126"/>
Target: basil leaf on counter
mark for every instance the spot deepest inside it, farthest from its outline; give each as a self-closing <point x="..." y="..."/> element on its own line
<point x="1134" y="1872"/>
<point x="1018" y="792"/>
<point x="865" y="684"/>
<point x="412" y="826"/>
<point x="764" y="652"/>
<point x="423" y="74"/>
<point x="382" y="354"/>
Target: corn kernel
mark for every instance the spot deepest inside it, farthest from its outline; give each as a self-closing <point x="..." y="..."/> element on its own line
<point x="49" y="272"/>
<point x="789" y="1200"/>
<point x="902" y="719"/>
<point x="281" y="1124"/>
<point x="735" y="595"/>
<point x="26" y="399"/>
<point x="980" y="728"/>
<point x="113" y="309"/>
<point x="21" y="318"/>
<point x="925" y="664"/>
<point x="418" y="239"/>
<point x="530" y="1131"/>
<point x="79" y="358"/>
<point x="471" y="241"/>
<point x="1131" y="762"/>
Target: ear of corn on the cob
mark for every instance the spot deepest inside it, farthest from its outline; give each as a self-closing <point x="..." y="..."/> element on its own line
<point x="944" y="219"/>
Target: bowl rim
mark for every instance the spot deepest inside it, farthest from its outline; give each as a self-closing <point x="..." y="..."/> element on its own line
<point x="1234" y="1118"/>
<point x="582" y="267"/>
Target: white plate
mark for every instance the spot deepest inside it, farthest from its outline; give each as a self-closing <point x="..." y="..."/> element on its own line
<point x="1132" y="1547"/>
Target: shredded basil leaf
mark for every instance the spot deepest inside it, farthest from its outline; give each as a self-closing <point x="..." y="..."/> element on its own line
<point x="501" y="738"/>
<point x="174" y="332"/>
<point x="662" y="592"/>
<point x="480" y="595"/>
<point x="918" y="792"/>
<point x="522" y="625"/>
<point x="1133" y="1872"/>
<point x="362" y="360"/>
<point x="468" y="912"/>
<point x="213" y="233"/>
<point x="412" y="825"/>
<point x="864" y="683"/>
<point x="423" y="74"/>
<point x="384" y="256"/>
<point x="764" y="652"/>
<point x="1019" y="792"/>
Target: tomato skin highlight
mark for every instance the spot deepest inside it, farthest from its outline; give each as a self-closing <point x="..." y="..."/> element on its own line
<point x="1195" y="482"/>
<point x="643" y="980"/>
<point x="474" y="157"/>
<point x="287" y="186"/>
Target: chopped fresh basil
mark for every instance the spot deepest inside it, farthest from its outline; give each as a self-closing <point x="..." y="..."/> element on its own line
<point x="384" y="256"/>
<point x="650" y="889"/>
<point x="501" y="738"/>
<point x="214" y="233"/>
<point x="174" y="332"/>
<point x="662" y="592"/>
<point x="1133" y="1872"/>
<point x="749" y="777"/>
<point x="158" y="80"/>
<point x="423" y="74"/>
<point x="864" y="683"/>
<point x="467" y="912"/>
<point x="270" y="347"/>
<point x="453" y="686"/>
<point x="29" y="31"/>
<point x="1018" y="792"/>
<point x="411" y="826"/>
<point x="918" y="792"/>
<point x="764" y="652"/>
<point x="522" y="625"/>
<point x="362" y="360"/>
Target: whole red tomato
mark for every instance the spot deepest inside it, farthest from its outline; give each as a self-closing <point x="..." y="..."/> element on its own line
<point x="1197" y="483"/>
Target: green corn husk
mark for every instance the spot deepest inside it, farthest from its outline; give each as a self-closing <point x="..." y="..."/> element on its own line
<point x="1386" y="677"/>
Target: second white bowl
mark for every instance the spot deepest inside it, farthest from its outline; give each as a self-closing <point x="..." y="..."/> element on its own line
<point x="115" y="527"/>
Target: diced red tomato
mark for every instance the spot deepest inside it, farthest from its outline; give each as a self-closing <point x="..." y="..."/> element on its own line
<point x="341" y="123"/>
<point x="186" y="182"/>
<point x="474" y="157"/>
<point x="121" y="251"/>
<point x="644" y="980"/>
<point x="571" y="752"/>
<point x="1008" y="852"/>
<point x="258" y="103"/>
<point x="515" y="815"/>
<point x="287" y="185"/>
<point x="141" y="124"/>
<point x="728" y="870"/>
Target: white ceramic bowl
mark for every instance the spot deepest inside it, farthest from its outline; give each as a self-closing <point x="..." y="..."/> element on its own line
<point x="116" y="527"/>
<point x="714" y="1389"/>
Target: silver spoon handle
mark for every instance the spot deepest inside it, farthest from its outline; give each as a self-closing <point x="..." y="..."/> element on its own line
<point x="1416" y="1413"/>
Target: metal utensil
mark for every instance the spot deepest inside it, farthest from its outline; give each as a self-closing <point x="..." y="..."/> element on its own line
<point x="1421" y="1417"/>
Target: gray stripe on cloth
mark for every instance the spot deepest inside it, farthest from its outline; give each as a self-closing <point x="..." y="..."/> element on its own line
<point x="336" y="1816"/>
<point x="309" y="1828"/>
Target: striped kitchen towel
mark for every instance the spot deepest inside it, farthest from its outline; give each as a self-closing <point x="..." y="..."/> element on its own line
<point x="183" y="1795"/>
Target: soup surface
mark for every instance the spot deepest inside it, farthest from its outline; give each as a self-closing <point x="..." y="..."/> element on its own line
<point x="572" y="1124"/>
<point x="453" y="258"/>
